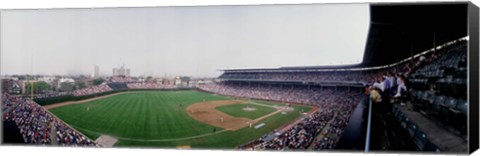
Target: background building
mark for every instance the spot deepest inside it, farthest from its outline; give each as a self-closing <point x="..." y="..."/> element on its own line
<point x="121" y="71"/>
<point x="96" y="71"/>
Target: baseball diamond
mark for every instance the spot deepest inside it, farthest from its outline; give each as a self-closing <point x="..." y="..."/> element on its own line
<point x="172" y="118"/>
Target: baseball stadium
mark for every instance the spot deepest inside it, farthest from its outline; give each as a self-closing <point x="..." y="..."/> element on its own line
<point x="408" y="94"/>
<point x="176" y="118"/>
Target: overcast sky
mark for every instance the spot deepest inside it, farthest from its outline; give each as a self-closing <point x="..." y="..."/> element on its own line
<point x="188" y="41"/>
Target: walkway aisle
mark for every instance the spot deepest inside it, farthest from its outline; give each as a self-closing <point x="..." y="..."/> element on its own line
<point x="53" y="134"/>
<point x="323" y="132"/>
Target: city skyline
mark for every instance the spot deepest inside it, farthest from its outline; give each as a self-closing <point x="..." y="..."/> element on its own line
<point x="189" y="41"/>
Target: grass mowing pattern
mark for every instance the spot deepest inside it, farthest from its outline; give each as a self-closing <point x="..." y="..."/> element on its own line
<point x="141" y="115"/>
<point x="229" y="139"/>
<point x="158" y="115"/>
<point x="236" y="110"/>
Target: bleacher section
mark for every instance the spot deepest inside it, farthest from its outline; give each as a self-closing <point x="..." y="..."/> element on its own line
<point x="92" y="90"/>
<point x="149" y="86"/>
<point x="118" y="85"/>
<point x="38" y="126"/>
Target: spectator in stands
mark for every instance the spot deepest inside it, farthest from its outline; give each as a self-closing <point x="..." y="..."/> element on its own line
<point x="379" y="84"/>
<point x="401" y="86"/>
<point x="390" y="83"/>
<point x="375" y="95"/>
<point x="367" y="89"/>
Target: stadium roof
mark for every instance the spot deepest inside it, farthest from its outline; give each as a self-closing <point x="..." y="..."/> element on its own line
<point x="402" y="30"/>
<point x="398" y="31"/>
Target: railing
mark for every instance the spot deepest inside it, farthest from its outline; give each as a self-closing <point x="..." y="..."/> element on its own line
<point x="369" y="125"/>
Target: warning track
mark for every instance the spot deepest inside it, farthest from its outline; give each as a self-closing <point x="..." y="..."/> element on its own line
<point x="81" y="101"/>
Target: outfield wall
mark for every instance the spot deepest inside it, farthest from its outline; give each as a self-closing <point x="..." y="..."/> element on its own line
<point x="66" y="98"/>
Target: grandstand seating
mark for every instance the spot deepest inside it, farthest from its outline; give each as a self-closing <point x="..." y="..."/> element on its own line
<point x="412" y="129"/>
<point x="437" y="83"/>
<point x="324" y="76"/>
<point x="440" y="86"/>
<point x="416" y="136"/>
<point x="420" y="139"/>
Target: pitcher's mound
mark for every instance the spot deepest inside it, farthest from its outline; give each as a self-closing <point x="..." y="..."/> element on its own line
<point x="183" y="147"/>
<point x="284" y="108"/>
<point x="106" y="141"/>
<point x="248" y="109"/>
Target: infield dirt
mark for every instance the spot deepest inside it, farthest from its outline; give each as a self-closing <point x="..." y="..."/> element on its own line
<point x="205" y="112"/>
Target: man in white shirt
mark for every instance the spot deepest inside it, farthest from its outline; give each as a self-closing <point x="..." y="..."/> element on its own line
<point x="379" y="84"/>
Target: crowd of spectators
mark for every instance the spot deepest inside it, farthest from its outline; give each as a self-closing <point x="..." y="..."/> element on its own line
<point x="67" y="136"/>
<point x="50" y="94"/>
<point x="344" y="109"/>
<point x="92" y="90"/>
<point x="355" y="76"/>
<point x="10" y="86"/>
<point x="7" y="104"/>
<point x="35" y="123"/>
<point x="301" y="135"/>
<point x="149" y="86"/>
<point x="32" y="120"/>
<point x="291" y="94"/>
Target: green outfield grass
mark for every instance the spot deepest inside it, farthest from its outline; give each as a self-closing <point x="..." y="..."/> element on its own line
<point x="236" y="110"/>
<point x="158" y="118"/>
